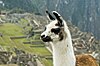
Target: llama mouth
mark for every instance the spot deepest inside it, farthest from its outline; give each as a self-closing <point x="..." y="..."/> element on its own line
<point x="46" y="39"/>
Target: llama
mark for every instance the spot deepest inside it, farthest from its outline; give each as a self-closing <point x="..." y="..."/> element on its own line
<point x="58" y="35"/>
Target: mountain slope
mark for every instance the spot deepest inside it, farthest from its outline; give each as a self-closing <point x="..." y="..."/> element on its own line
<point x="83" y="13"/>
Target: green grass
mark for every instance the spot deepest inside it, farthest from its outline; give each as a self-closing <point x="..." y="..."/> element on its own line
<point x="8" y="30"/>
<point x="47" y="62"/>
<point x="11" y="30"/>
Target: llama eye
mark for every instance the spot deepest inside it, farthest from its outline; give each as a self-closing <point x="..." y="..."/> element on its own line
<point x="55" y="30"/>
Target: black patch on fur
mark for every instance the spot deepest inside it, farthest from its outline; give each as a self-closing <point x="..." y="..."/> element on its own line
<point x="59" y="24"/>
<point x="55" y="30"/>
<point x="59" y="18"/>
<point x="50" y="16"/>
<point x="61" y="36"/>
<point x="46" y="39"/>
<point x="67" y="45"/>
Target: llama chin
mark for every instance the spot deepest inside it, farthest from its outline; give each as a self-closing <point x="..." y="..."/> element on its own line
<point x="58" y="35"/>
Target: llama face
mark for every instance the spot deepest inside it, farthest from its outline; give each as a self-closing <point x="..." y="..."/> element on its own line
<point x="54" y="30"/>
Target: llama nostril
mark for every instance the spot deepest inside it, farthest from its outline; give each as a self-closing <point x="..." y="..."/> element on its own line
<point x="43" y="36"/>
<point x="46" y="38"/>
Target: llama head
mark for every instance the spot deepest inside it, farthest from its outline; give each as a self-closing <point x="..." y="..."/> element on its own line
<point x="54" y="31"/>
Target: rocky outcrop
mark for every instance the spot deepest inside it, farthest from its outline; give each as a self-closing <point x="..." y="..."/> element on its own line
<point x="4" y="57"/>
<point x="83" y="40"/>
<point x="19" y="57"/>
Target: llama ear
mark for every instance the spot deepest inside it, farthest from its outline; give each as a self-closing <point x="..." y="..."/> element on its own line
<point x="49" y="16"/>
<point x="59" y="18"/>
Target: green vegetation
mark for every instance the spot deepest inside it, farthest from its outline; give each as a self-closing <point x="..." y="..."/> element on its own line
<point x="9" y="65"/>
<point x="11" y="30"/>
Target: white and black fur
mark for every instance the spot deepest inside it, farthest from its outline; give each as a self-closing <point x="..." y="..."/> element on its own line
<point x="58" y="35"/>
<point x="53" y="31"/>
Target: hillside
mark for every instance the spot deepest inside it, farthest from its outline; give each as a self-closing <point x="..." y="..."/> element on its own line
<point x="83" y="13"/>
<point x="13" y="4"/>
<point x="10" y="44"/>
<point x="20" y="39"/>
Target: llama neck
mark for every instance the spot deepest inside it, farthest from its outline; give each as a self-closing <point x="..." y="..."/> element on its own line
<point x="63" y="54"/>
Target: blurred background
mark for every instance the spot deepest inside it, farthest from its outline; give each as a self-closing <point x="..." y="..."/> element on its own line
<point x="22" y="21"/>
<point x="83" y="13"/>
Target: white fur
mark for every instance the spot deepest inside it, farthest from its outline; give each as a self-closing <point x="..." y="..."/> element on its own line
<point x="63" y="54"/>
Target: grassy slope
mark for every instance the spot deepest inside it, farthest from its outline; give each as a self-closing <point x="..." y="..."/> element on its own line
<point x="9" y="30"/>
